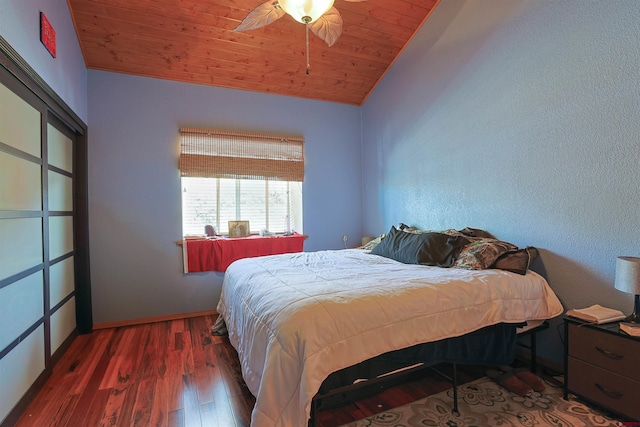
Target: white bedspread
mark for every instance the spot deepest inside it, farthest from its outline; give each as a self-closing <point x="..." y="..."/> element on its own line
<point x="296" y="318"/>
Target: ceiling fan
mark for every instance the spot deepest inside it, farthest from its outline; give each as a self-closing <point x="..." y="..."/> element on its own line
<point x="319" y="15"/>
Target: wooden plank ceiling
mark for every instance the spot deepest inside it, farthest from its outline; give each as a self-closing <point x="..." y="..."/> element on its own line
<point x="193" y="41"/>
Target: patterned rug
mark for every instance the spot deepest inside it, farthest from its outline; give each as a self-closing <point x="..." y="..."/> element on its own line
<point x="483" y="403"/>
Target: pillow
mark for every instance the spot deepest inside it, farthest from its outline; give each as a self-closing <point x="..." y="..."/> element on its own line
<point x="476" y="232"/>
<point x="425" y="248"/>
<point x="470" y="233"/>
<point x="372" y="243"/>
<point x="416" y="230"/>
<point x="517" y="261"/>
<point x="482" y="253"/>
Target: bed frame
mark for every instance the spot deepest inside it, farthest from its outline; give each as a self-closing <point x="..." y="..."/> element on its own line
<point x="348" y="393"/>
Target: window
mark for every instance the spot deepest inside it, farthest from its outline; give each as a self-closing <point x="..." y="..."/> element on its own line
<point x="265" y="204"/>
<point x="238" y="176"/>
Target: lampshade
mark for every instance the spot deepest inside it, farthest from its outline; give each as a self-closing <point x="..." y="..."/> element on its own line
<point x="628" y="280"/>
<point x="299" y="9"/>
<point x="628" y="274"/>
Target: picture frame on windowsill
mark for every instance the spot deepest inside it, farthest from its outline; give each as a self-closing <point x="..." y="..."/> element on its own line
<point x="239" y="229"/>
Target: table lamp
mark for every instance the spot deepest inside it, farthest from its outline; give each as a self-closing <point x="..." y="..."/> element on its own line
<point x="628" y="280"/>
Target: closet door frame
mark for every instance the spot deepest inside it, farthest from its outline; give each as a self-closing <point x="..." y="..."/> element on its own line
<point x="20" y="78"/>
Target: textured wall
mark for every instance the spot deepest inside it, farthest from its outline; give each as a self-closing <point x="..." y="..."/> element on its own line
<point x="134" y="184"/>
<point x="522" y="119"/>
<point x="66" y="74"/>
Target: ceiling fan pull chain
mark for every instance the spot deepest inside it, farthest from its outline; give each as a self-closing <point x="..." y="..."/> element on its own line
<point x="306" y="25"/>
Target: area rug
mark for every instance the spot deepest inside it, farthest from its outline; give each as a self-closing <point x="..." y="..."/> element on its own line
<point x="483" y="403"/>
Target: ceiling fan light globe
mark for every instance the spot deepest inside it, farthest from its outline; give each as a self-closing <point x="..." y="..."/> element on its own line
<point x="299" y="9"/>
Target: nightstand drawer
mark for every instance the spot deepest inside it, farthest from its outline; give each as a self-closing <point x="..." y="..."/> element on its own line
<point x="608" y="351"/>
<point x="610" y="390"/>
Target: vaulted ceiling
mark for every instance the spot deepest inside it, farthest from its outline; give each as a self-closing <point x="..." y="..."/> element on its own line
<point x="193" y="41"/>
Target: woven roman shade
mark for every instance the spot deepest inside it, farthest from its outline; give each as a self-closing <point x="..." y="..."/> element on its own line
<point x="210" y="153"/>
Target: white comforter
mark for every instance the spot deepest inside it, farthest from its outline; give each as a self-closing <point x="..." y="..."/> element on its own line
<point x="296" y="318"/>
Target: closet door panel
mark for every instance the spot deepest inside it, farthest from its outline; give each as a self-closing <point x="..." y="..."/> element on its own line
<point x="60" y="192"/>
<point x="61" y="280"/>
<point x="60" y="149"/>
<point x="20" y="245"/>
<point x="20" y="368"/>
<point x="21" y="306"/>
<point x="63" y="322"/>
<point x="60" y="236"/>
<point x="21" y="187"/>
<point x="19" y="123"/>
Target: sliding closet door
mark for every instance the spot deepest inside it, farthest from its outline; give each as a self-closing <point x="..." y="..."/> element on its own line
<point x="60" y="211"/>
<point x="22" y="273"/>
<point x="43" y="263"/>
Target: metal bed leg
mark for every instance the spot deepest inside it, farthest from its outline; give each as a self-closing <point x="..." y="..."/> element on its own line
<point x="454" y="380"/>
<point x="455" y="411"/>
<point x="534" y="354"/>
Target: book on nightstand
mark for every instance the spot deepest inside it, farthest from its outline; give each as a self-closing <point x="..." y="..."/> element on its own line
<point x="632" y="329"/>
<point x="597" y="314"/>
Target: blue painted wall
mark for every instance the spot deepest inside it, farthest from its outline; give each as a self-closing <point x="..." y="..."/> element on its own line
<point x="521" y="119"/>
<point x="66" y="74"/>
<point x="134" y="184"/>
<point x="133" y="177"/>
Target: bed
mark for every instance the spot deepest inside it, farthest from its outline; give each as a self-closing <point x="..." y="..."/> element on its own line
<point x="295" y="319"/>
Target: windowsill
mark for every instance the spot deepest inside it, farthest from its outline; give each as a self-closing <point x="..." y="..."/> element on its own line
<point x="216" y="254"/>
<point x="180" y="242"/>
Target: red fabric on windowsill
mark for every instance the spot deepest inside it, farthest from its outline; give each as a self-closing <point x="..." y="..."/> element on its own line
<point x="218" y="254"/>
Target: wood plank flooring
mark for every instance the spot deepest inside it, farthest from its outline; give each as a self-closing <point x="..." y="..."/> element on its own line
<point x="173" y="373"/>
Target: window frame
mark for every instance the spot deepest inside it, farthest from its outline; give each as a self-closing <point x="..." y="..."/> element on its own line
<point x="292" y="195"/>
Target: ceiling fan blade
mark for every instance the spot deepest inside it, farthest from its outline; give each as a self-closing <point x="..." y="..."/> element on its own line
<point x="262" y="15"/>
<point x="328" y="27"/>
<point x="355" y="1"/>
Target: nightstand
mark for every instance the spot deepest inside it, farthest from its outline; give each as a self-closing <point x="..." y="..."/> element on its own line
<point x="602" y="366"/>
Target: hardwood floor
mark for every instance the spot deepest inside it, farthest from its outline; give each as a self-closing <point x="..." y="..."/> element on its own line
<point x="173" y="373"/>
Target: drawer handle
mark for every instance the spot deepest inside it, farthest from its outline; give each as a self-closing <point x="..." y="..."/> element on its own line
<point x="609" y="354"/>
<point x="611" y="393"/>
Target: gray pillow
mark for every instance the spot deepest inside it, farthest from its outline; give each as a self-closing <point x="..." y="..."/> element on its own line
<point x="430" y="248"/>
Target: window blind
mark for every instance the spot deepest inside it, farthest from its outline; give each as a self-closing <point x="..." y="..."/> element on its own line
<point x="210" y="153"/>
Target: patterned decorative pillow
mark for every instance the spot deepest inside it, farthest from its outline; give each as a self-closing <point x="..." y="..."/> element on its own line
<point x="372" y="243"/>
<point x="469" y="233"/>
<point x="518" y="261"/>
<point x="454" y="232"/>
<point x="415" y="230"/>
<point x="476" y="232"/>
<point x="482" y="253"/>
